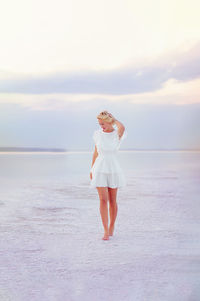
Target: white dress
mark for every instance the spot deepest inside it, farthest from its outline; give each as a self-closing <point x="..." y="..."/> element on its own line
<point x="106" y="171"/>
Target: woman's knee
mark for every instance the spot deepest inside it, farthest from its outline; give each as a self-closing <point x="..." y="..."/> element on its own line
<point x="112" y="201"/>
<point x="103" y="200"/>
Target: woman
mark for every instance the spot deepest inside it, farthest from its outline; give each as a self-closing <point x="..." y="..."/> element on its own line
<point x="106" y="174"/>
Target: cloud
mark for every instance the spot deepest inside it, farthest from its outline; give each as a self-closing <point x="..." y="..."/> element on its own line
<point x="135" y="78"/>
<point x="172" y="92"/>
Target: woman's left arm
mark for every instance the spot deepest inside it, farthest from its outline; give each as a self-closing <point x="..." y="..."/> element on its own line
<point x="120" y="126"/>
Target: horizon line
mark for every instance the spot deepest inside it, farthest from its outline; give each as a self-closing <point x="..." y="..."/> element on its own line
<point x="62" y="150"/>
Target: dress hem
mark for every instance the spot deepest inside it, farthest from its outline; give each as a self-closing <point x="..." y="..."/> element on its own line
<point x="94" y="186"/>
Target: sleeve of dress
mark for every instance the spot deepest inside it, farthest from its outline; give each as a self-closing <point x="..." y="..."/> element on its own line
<point x="95" y="136"/>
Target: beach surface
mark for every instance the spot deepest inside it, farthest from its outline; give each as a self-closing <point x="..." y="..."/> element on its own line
<point x="51" y="246"/>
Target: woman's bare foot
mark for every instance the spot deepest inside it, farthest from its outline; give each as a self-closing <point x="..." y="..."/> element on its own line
<point x="106" y="236"/>
<point x="111" y="230"/>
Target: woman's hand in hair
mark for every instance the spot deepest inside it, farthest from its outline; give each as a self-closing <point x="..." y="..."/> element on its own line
<point x="113" y="118"/>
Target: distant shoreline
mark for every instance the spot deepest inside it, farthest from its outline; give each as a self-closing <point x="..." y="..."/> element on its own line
<point x="31" y="149"/>
<point x="6" y="150"/>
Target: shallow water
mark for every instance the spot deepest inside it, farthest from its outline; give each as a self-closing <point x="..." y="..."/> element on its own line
<point x="50" y="238"/>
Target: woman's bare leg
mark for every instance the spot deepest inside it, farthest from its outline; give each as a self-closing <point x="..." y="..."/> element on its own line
<point x="103" y="196"/>
<point x="113" y="208"/>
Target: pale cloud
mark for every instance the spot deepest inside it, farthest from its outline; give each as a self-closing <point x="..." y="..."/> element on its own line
<point x="172" y="78"/>
<point x="64" y="35"/>
<point x="173" y="92"/>
<point x="46" y="102"/>
<point x="129" y="79"/>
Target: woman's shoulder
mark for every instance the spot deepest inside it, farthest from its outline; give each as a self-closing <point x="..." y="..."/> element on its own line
<point x="97" y="132"/>
<point x="96" y="135"/>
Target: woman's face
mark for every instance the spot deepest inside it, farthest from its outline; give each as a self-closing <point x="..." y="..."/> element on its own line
<point x="105" y="125"/>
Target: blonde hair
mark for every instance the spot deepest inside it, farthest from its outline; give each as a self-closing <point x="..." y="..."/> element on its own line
<point x="104" y="115"/>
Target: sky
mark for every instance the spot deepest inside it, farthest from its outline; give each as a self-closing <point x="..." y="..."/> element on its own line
<point x="62" y="62"/>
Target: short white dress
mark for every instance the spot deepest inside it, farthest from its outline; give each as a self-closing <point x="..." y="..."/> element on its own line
<point x="106" y="170"/>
